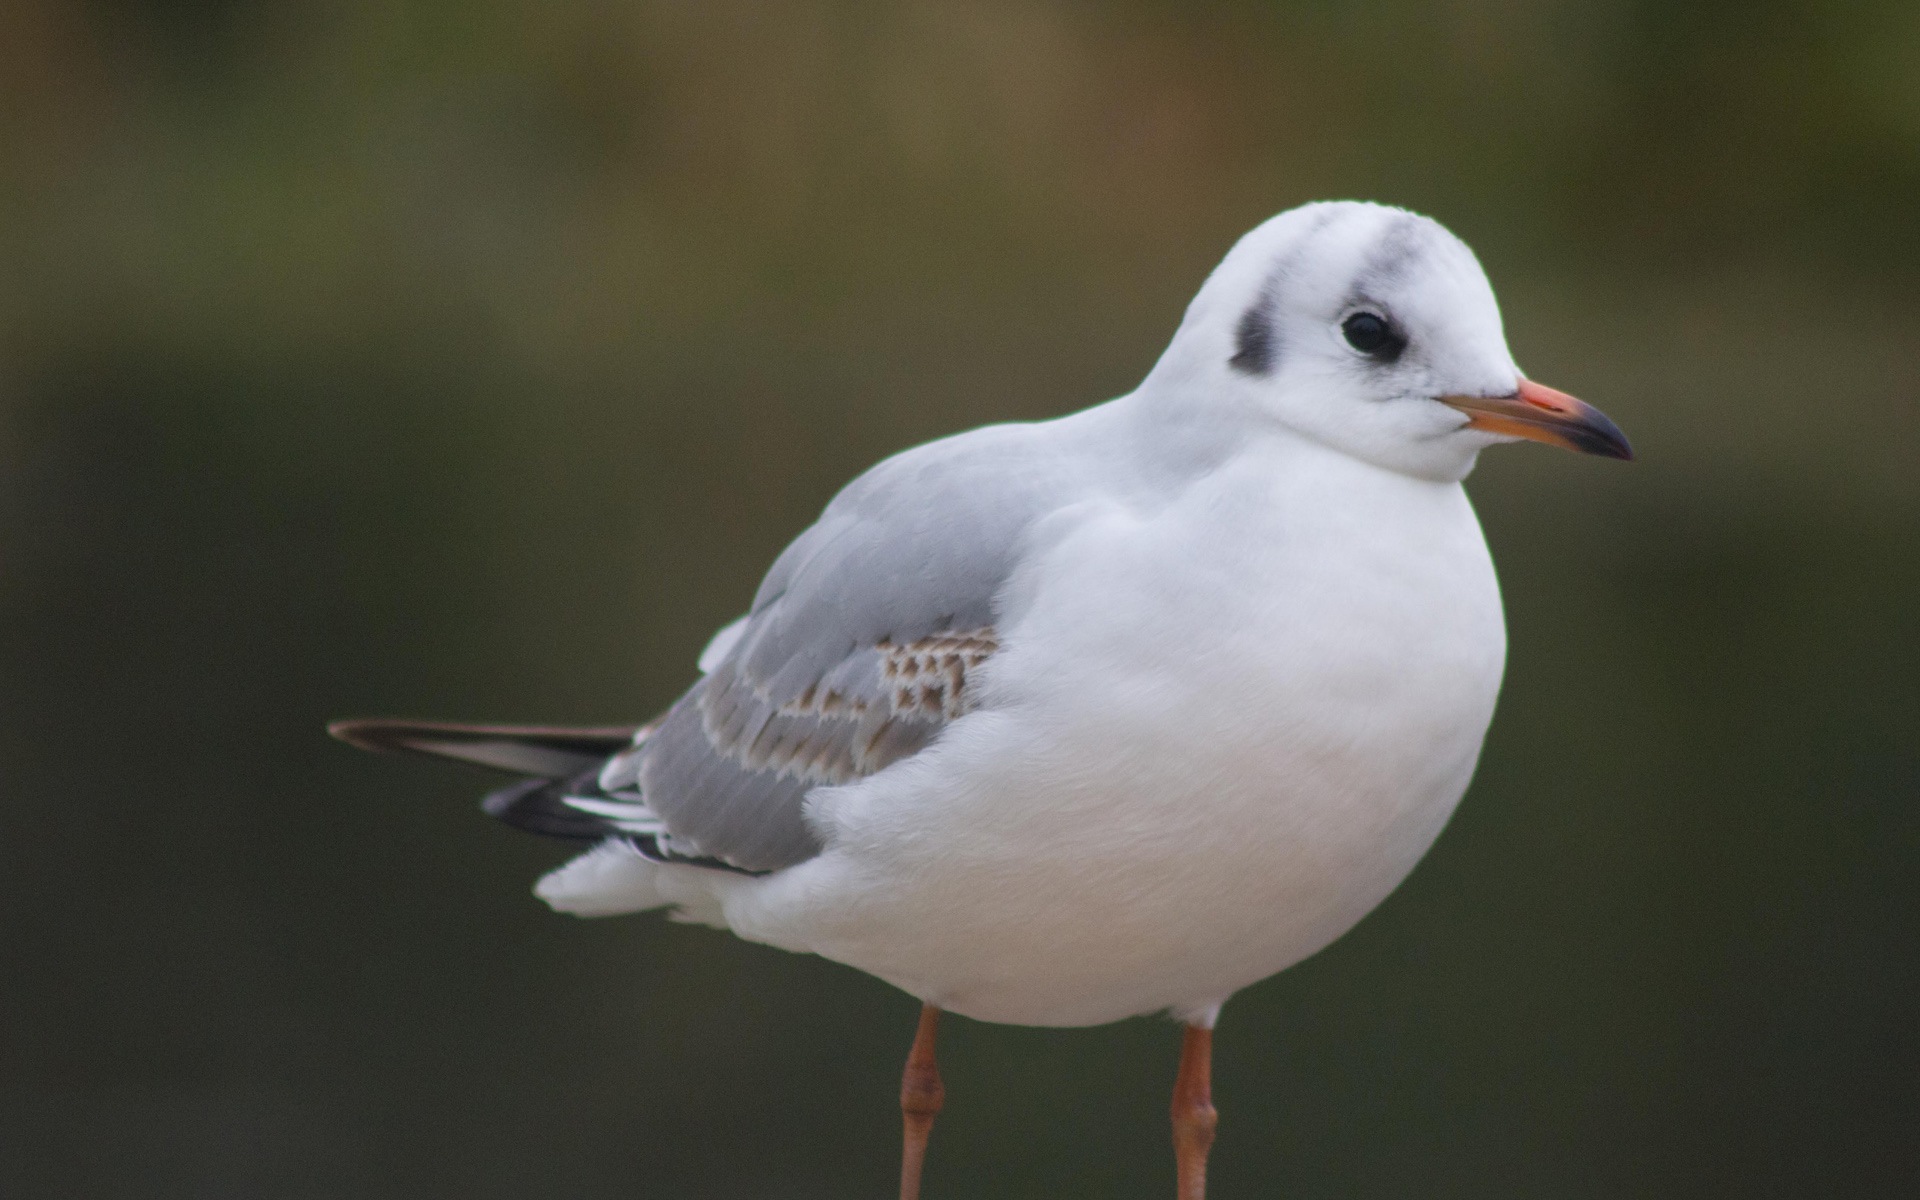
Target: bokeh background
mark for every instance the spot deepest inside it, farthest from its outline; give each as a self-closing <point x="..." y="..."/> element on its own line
<point x="473" y="359"/>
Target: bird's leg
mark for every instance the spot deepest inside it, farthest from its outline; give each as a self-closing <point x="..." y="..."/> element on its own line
<point x="1193" y="1116"/>
<point x="921" y="1095"/>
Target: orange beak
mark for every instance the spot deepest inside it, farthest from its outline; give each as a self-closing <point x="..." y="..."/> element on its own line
<point x="1541" y="414"/>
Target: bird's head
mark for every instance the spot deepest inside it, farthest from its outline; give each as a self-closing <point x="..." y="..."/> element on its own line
<point x="1374" y="331"/>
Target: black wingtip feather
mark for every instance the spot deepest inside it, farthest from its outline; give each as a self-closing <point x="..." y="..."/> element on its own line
<point x="396" y="733"/>
<point x="539" y="806"/>
<point x="549" y="751"/>
<point x="365" y="734"/>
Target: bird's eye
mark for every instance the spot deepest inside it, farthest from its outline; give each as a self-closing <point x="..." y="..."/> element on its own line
<point x="1370" y="334"/>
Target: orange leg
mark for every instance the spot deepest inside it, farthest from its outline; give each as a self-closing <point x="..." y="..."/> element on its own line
<point x="1194" y="1119"/>
<point x="921" y="1095"/>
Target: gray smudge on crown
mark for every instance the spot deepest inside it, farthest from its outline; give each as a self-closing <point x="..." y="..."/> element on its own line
<point x="1393" y="254"/>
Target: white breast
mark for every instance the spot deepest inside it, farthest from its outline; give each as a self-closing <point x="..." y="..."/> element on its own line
<point x="1219" y="731"/>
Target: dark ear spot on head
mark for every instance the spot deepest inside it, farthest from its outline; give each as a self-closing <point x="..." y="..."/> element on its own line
<point x="1254" y="344"/>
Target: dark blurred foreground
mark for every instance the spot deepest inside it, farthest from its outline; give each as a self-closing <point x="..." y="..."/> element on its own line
<point x="473" y="361"/>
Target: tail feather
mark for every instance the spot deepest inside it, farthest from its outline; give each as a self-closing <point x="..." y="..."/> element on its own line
<point x="608" y="880"/>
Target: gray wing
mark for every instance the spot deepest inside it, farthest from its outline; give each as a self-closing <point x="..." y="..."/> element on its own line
<point x="857" y="652"/>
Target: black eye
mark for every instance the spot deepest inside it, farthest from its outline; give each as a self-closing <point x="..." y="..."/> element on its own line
<point x="1370" y="334"/>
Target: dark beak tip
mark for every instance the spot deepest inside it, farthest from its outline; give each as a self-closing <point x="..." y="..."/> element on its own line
<point x="1617" y="448"/>
<point x="1599" y="436"/>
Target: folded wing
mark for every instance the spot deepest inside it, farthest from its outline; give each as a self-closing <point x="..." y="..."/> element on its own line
<point x="864" y="642"/>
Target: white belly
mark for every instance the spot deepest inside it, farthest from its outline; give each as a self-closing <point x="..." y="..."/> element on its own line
<point x="1178" y="782"/>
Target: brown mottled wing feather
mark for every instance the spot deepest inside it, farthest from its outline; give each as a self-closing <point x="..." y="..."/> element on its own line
<point x="743" y="764"/>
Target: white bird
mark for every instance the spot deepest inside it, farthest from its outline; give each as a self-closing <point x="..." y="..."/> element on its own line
<point x="1066" y="722"/>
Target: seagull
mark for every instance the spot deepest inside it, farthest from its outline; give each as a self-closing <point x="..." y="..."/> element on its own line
<point x="1064" y="722"/>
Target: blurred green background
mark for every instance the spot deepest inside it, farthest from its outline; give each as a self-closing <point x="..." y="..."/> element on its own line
<point x="473" y="359"/>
